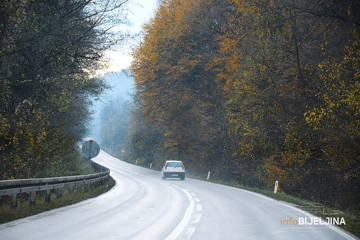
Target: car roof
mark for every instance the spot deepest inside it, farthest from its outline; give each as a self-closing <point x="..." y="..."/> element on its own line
<point x="173" y="161"/>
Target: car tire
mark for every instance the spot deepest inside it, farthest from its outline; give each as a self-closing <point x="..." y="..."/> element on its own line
<point x="182" y="178"/>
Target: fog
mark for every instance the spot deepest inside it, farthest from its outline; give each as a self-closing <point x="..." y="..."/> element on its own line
<point x="122" y="87"/>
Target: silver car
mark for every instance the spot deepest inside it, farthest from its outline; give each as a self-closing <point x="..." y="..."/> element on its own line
<point x="173" y="169"/>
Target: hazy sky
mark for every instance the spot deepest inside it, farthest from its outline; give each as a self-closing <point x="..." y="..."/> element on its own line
<point x="140" y="14"/>
<point x="141" y="11"/>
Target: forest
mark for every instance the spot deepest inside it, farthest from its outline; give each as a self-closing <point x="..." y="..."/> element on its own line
<point x="115" y="118"/>
<point x="50" y="52"/>
<point x="253" y="91"/>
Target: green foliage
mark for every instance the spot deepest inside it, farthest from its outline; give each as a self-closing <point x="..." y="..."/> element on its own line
<point x="49" y="53"/>
<point x="144" y="141"/>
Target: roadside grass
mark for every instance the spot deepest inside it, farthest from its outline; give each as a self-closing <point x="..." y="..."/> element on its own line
<point x="352" y="217"/>
<point x="68" y="198"/>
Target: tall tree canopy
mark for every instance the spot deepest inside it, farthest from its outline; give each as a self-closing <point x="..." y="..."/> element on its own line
<point x="256" y="91"/>
<point x="176" y="80"/>
<point x="49" y="53"/>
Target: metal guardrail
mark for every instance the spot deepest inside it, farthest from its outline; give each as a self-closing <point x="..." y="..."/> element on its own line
<point x="40" y="184"/>
<point x="33" y="185"/>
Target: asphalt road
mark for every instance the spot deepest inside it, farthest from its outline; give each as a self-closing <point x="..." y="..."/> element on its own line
<point x="142" y="206"/>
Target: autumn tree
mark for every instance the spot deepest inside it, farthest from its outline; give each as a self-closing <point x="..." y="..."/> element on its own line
<point x="176" y="80"/>
<point x="257" y="90"/>
<point x="273" y="69"/>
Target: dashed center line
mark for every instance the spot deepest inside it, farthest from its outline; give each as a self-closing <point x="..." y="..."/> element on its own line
<point x="181" y="226"/>
<point x="187" y="234"/>
<point x="197" y="218"/>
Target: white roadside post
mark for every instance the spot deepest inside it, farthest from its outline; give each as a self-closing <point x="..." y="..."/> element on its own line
<point x="276" y="186"/>
<point x="208" y="176"/>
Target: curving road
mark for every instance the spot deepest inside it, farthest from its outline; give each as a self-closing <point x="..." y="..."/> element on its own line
<point x="142" y="206"/>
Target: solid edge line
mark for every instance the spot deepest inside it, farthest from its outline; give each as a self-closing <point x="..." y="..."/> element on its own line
<point x="191" y="233"/>
<point x="185" y="220"/>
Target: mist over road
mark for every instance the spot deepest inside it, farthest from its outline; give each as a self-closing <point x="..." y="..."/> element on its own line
<point x="142" y="206"/>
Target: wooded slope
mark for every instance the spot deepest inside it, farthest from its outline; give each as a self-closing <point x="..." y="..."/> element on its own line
<point x="254" y="91"/>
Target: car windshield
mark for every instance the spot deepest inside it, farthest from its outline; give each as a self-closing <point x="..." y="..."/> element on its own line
<point x="173" y="164"/>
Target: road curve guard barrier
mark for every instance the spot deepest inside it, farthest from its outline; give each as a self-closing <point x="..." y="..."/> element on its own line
<point x="33" y="185"/>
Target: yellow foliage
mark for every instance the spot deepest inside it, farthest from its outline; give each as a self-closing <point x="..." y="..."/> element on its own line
<point x="273" y="171"/>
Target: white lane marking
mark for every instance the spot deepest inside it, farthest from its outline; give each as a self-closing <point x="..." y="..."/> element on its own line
<point x="198" y="207"/>
<point x="187" y="234"/>
<point x="193" y="194"/>
<point x="175" y="186"/>
<point x="197" y="200"/>
<point x="188" y="214"/>
<point x="196" y="218"/>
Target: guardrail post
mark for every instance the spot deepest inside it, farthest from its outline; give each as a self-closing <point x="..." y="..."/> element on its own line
<point x="86" y="186"/>
<point x="59" y="193"/>
<point x="13" y="201"/>
<point x="47" y="195"/>
<point x="32" y="198"/>
<point x="101" y="180"/>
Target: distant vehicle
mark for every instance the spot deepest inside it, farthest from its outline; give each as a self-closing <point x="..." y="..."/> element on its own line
<point x="173" y="169"/>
